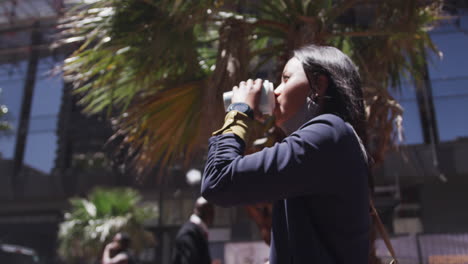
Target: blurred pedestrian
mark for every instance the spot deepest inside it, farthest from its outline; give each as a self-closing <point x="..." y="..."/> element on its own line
<point x="117" y="251"/>
<point x="191" y="243"/>
<point x="317" y="177"/>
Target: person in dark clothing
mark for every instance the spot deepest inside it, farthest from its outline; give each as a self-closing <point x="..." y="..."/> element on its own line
<point x="117" y="252"/>
<point x="317" y="177"/>
<point x="191" y="243"/>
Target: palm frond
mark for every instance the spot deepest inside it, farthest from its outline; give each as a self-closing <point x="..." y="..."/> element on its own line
<point x="91" y="222"/>
<point x="386" y="47"/>
<point x="125" y="51"/>
<point x="167" y="130"/>
<point x="130" y="61"/>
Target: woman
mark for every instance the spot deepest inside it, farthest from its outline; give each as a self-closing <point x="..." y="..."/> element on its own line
<point x="117" y="251"/>
<point x="317" y="176"/>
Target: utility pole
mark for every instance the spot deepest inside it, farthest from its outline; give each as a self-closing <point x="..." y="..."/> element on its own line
<point x="427" y="116"/>
<point x="426" y="107"/>
<point x="23" y="127"/>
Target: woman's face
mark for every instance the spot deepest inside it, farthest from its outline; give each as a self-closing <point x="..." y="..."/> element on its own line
<point x="117" y="241"/>
<point x="292" y="92"/>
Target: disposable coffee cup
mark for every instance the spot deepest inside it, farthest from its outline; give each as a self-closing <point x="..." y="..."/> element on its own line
<point x="267" y="98"/>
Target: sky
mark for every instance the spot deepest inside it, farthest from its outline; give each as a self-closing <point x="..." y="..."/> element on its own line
<point x="449" y="77"/>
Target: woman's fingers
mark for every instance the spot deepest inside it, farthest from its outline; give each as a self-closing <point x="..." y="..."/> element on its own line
<point x="242" y="85"/>
<point x="248" y="92"/>
<point x="258" y="84"/>
<point x="249" y="83"/>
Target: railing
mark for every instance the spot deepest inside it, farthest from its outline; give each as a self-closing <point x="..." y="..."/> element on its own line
<point x="427" y="249"/>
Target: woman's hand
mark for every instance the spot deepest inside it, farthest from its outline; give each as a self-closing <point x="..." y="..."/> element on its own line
<point x="112" y="245"/>
<point x="248" y="92"/>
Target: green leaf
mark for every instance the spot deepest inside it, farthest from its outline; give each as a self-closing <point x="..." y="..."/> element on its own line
<point x="91" y="222"/>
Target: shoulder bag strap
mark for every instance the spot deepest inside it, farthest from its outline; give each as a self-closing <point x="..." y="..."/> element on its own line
<point x="383" y="233"/>
<point x="375" y="215"/>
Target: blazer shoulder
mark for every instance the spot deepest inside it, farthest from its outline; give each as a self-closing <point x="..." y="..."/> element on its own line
<point x="333" y="121"/>
<point x="331" y="118"/>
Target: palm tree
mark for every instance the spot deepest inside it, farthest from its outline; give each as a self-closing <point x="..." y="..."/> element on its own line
<point x="163" y="65"/>
<point x="91" y="222"/>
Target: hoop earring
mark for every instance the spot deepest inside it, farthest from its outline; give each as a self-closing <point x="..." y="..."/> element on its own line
<point x="315" y="97"/>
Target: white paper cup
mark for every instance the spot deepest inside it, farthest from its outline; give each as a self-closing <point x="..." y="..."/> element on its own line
<point x="267" y="98"/>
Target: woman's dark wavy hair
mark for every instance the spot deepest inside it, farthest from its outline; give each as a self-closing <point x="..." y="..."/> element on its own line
<point x="344" y="96"/>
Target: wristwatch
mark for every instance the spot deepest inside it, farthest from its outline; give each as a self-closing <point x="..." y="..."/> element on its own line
<point x="241" y="107"/>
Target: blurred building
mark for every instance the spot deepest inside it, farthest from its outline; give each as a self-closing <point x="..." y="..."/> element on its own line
<point x="430" y="166"/>
<point x="31" y="199"/>
<point x="422" y="187"/>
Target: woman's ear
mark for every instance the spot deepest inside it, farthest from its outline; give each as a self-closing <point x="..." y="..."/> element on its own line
<point x="322" y="85"/>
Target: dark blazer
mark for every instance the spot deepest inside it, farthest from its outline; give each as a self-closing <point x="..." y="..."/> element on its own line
<point x="191" y="246"/>
<point x="317" y="179"/>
